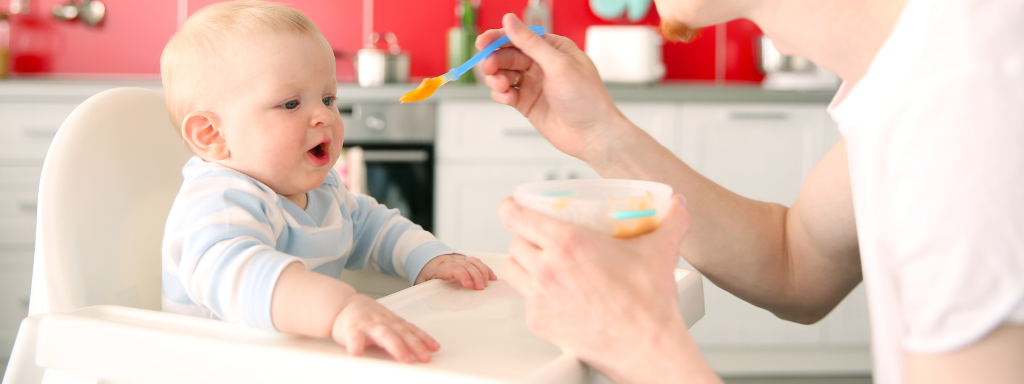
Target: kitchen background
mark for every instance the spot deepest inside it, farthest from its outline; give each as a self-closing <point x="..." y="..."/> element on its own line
<point x="710" y="110"/>
<point x="133" y="34"/>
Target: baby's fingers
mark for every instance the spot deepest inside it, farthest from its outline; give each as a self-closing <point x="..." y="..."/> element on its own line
<point x="420" y="346"/>
<point x="460" y="272"/>
<point x="392" y="342"/>
<point x="479" y="281"/>
<point x="355" y="343"/>
<point x="484" y="269"/>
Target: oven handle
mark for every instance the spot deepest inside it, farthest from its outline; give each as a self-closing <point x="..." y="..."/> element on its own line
<point x="395" y="155"/>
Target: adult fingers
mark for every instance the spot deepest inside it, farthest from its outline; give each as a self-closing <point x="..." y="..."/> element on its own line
<point x="387" y="338"/>
<point x="529" y="42"/>
<point x="503" y="80"/>
<point x="509" y="97"/>
<point x="533" y="226"/>
<point x="510" y="58"/>
<point x="519" y="278"/>
<point x="674" y="226"/>
<point x="488" y="37"/>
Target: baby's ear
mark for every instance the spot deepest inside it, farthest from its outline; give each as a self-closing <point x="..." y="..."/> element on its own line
<point x="200" y="131"/>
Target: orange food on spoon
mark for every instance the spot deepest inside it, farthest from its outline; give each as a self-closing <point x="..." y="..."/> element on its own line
<point x="426" y="88"/>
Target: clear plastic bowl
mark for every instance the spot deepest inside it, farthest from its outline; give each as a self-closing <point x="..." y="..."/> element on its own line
<point x="618" y="208"/>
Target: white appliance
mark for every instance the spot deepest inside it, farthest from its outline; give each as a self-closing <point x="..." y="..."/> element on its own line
<point x="626" y="53"/>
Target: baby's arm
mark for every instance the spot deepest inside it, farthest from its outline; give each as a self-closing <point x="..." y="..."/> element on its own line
<point x="388" y="243"/>
<point x="311" y="304"/>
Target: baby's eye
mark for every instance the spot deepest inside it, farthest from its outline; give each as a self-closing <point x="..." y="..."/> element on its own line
<point x="328" y="100"/>
<point x="291" y="104"/>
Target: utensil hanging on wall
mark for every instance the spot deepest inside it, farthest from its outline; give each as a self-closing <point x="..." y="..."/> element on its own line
<point x="91" y="12"/>
<point x="375" y="67"/>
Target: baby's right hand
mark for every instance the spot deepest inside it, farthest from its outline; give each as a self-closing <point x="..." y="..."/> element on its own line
<point x="363" y="321"/>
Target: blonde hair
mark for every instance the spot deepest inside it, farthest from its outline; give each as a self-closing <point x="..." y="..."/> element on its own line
<point x="192" y="51"/>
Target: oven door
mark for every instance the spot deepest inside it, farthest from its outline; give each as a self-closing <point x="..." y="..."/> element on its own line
<point x="401" y="176"/>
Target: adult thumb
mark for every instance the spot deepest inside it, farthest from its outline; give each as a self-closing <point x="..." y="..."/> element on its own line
<point x="675" y="225"/>
<point x="529" y="42"/>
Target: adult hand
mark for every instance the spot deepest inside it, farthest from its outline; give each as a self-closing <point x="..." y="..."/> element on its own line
<point x="610" y="301"/>
<point x="558" y="88"/>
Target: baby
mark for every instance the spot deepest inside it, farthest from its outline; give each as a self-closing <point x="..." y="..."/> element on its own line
<point x="261" y="228"/>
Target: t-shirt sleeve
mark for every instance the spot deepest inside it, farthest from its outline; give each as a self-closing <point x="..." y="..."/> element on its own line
<point x="953" y="219"/>
<point x="387" y="242"/>
<point x="220" y="238"/>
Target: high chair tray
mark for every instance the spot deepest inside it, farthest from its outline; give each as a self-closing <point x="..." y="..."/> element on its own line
<point x="483" y="337"/>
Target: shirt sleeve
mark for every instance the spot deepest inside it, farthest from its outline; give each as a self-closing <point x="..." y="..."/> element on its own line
<point x="222" y="233"/>
<point x="953" y="219"/>
<point x="387" y="242"/>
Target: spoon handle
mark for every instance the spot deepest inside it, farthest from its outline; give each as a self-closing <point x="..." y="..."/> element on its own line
<point x="454" y="73"/>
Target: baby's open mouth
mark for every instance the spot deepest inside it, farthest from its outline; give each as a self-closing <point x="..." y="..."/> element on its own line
<point x="321" y="153"/>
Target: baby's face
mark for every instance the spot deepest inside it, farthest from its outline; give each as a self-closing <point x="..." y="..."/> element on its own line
<point x="277" y="112"/>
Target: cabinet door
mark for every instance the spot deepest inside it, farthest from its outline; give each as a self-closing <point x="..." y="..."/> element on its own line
<point x="479" y="129"/>
<point x="26" y="130"/>
<point x="468" y="196"/>
<point x="763" y="152"/>
<point x="15" y="275"/>
<point x="657" y="119"/>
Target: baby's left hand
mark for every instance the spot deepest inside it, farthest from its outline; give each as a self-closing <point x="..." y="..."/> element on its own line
<point x="472" y="272"/>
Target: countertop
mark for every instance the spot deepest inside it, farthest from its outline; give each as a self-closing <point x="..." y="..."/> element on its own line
<point x="75" y="90"/>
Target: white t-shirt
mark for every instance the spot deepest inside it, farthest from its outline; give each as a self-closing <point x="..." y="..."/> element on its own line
<point x="935" y="138"/>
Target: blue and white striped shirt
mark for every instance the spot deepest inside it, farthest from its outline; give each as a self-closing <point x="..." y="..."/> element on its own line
<point x="229" y="236"/>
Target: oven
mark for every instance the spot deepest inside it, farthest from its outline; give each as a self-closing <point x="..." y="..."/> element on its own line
<point x="397" y="142"/>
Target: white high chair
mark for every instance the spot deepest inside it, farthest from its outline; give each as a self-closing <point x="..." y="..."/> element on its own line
<point x="107" y="185"/>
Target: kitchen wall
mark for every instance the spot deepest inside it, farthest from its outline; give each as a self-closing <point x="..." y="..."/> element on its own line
<point x="134" y="32"/>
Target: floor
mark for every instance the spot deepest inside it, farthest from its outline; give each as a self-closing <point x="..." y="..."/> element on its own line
<point x="800" y="380"/>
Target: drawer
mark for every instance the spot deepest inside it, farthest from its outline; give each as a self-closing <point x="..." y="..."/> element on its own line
<point x="26" y="130"/>
<point x="18" y="214"/>
<point x="489" y="130"/>
<point x="15" y="279"/>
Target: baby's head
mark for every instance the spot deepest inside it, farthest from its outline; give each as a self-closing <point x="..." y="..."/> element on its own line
<point x="251" y="85"/>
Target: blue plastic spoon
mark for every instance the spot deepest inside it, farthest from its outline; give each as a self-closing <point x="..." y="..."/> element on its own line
<point x="429" y="86"/>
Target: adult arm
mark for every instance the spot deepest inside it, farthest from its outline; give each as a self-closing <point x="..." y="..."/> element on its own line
<point x="797" y="262"/>
<point x="996" y="359"/>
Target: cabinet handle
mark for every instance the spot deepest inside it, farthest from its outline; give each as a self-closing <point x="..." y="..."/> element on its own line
<point x="758" y="116"/>
<point x="572" y="175"/>
<point x="23" y="302"/>
<point x="39" y="132"/>
<point x="521" y="132"/>
<point x="550" y="175"/>
<point x="28" y="207"/>
<point x="396" y="156"/>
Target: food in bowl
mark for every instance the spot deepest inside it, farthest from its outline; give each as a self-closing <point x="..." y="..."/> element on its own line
<point x="617" y="208"/>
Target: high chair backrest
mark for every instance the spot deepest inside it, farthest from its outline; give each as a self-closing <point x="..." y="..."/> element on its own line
<point x="108" y="182"/>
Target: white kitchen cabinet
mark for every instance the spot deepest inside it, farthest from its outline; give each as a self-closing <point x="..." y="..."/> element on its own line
<point x="761" y="151"/>
<point x="15" y="277"/>
<point x="468" y="196"/>
<point x="26" y="130"/>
